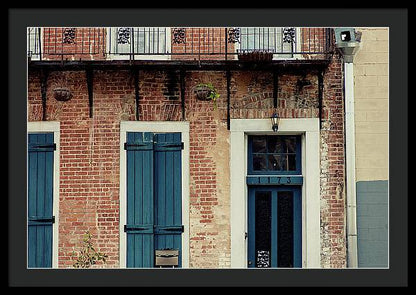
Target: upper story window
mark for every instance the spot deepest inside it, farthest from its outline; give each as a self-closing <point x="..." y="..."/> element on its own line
<point x="274" y="155"/>
<point x="33" y="43"/>
<point x="139" y="43"/>
<point x="279" y="41"/>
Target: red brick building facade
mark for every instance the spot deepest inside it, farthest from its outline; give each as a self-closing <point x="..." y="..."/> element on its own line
<point x="106" y="92"/>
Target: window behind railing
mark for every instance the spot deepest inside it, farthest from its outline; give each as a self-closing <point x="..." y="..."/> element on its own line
<point x="34" y="43"/>
<point x="273" y="40"/>
<point x="143" y="42"/>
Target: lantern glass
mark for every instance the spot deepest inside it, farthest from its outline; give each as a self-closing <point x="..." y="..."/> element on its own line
<point x="275" y="122"/>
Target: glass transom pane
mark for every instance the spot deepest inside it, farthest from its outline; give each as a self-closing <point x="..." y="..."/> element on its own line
<point x="274" y="154"/>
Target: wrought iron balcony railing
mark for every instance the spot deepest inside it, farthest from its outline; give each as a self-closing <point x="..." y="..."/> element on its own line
<point x="161" y="43"/>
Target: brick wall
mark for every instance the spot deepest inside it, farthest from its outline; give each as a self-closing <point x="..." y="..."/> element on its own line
<point x="333" y="216"/>
<point x="89" y="156"/>
<point x="195" y="44"/>
<point x="91" y="44"/>
<point x="80" y="43"/>
<point x="89" y="184"/>
<point x="202" y="44"/>
<point x="312" y="40"/>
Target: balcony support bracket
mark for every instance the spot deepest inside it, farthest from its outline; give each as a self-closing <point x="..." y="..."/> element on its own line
<point x="90" y="78"/>
<point x="228" y="73"/>
<point x="275" y="88"/>
<point x="320" y="96"/>
<point x="43" y="89"/>
<point x="182" y="82"/>
<point x="136" y="91"/>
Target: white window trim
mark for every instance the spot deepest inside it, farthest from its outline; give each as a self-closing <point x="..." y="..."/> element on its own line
<point x="161" y="127"/>
<point x="309" y="129"/>
<point x="115" y="56"/>
<point x="51" y="126"/>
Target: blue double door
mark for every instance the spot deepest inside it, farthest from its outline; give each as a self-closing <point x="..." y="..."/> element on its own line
<point x="154" y="196"/>
<point x="274" y="226"/>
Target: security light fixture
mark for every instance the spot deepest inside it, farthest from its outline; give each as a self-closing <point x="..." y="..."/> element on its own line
<point x="345" y="36"/>
<point x="275" y="122"/>
<point x="348" y="42"/>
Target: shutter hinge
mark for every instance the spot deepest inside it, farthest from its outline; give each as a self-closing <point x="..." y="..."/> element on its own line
<point x="43" y="146"/>
<point x="176" y="228"/>
<point x="137" y="145"/>
<point x="42" y="219"/>
<point x="147" y="143"/>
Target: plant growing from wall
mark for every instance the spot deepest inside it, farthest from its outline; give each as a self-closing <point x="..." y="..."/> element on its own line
<point x="206" y="91"/>
<point x="88" y="256"/>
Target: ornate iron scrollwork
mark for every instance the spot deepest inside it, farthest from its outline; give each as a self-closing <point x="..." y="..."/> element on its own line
<point x="233" y="35"/>
<point x="288" y="35"/>
<point x="69" y="36"/>
<point x="123" y="35"/>
<point x="179" y="35"/>
<point x="263" y="259"/>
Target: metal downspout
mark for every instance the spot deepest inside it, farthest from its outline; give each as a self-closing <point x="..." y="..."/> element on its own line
<point x="348" y="42"/>
<point x="352" y="261"/>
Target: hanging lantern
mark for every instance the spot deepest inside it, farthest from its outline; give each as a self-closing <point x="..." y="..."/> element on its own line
<point x="275" y="122"/>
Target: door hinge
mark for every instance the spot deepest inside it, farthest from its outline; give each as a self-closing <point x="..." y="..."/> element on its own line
<point x="245" y="235"/>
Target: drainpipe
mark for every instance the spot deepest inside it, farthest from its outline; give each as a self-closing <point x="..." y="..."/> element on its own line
<point x="348" y="47"/>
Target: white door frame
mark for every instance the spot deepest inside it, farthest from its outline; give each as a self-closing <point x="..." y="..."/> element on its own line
<point x="161" y="127"/>
<point x="308" y="128"/>
<point x="51" y="126"/>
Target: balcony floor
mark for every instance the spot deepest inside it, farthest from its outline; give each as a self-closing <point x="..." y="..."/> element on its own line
<point x="188" y="65"/>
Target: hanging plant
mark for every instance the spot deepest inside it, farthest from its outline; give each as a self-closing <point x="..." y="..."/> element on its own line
<point x="62" y="94"/>
<point x="206" y="91"/>
<point x="255" y="55"/>
<point x="61" y="91"/>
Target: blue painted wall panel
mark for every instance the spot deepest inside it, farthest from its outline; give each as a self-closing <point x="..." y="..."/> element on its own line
<point x="372" y="223"/>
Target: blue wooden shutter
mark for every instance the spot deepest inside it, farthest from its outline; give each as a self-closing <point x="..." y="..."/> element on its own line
<point x="140" y="205"/>
<point x="168" y="192"/>
<point x="154" y="196"/>
<point x="40" y="199"/>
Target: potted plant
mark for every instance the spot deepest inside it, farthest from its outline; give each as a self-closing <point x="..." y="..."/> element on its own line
<point x="206" y="91"/>
<point x="255" y="55"/>
<point x="62" y="94"/>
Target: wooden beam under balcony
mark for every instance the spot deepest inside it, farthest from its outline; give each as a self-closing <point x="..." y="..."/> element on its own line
<point x="188" y="65"/>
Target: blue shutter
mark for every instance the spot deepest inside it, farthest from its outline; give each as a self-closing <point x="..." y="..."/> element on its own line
<point x="139" y="225"/>
<point x="154" y="213"/>
<point x="40" y="196"/>
<point x="168" y="192"/>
